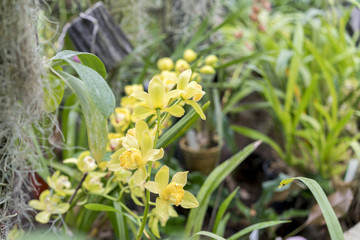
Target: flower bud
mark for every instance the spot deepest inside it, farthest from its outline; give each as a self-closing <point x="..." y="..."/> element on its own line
<point x="190" y="55"/>
<point x="207" y="69"/>
<point x="211" y="60"/>
<point x="165" y="64"/>
<point x="181" y="65"/>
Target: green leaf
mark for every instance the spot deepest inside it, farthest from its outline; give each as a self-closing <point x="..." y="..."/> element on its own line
<point x="208" y="234"/>
<point x="255" y="226"/>
<point x="96" y="122"/>
<point x="101" y="207"/>
<point x="253" y="134"/>
<point x="223" y="208"/>
<point x="53" y="93"/>
<point x="97" y="87"/>
<point x="88" y="59"/>
<point x="197" y="215"/>
<point x="331" y="220"/>
<point x="180" y="127"/>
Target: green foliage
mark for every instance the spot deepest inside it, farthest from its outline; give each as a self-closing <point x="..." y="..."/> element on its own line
<point x="197" y="215"/>
<point x="331" y="220"/>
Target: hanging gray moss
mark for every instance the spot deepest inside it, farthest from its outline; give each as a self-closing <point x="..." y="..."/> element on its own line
<point x="20" y="108"/>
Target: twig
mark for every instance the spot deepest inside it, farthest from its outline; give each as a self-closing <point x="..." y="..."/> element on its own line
<point x="77" y="188"/>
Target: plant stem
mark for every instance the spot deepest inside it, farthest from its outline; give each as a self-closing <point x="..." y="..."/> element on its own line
<point x="78" y="187"/>
<point x="147" y="203"/>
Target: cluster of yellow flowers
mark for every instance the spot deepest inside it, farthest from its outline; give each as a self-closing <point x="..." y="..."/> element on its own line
<point x="138" y="124"/>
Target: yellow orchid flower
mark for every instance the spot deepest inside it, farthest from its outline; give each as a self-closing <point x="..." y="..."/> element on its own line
<point x="136" y="152"/>
<point x="120" y="119"/>
<point x="169" y="79"/>
<point x="157" y="98"/>
<point x="48" y="204"/>
<point x="122" y="175"/>
<point x="93" y="182"/>
<point x="115" y="142"/>
<point x="129" y="89"/>
<point x="85" y="162"/>
<point x="60" y="184"/>
<point x="170" y="193"/>
<point x="190" y="92"/>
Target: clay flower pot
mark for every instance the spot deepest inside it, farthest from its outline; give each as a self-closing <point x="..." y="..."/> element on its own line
<point x="202" y="160"/>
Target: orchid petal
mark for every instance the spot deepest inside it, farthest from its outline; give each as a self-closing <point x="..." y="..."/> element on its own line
<point x="142" y="112"/>
<point x="43" y="217"/>
<point x="162" y="177"/>
<point x="153" y="187"/>
<point x="175" y="110"/>
<point x="157" y="93"/>
<point x="140" y="176"/>
<point x="36" y="204"/>
<point x="180" y="178"/>
<point x="140" y="127"/>
<point x="154" y="154"/>
<point x="142" y="96"/>
<point x="184" y="79"/>
<point x="162" y="208"/>
<point x="189" y="201"/>
<point x="197" y="108"/>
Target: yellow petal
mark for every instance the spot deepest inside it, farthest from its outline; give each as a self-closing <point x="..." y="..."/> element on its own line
<point x="43" y="195"/>
<point x="142" y="112"/>
<point x="130" y="142"/>
<point x="162" y="208"/>
<point x="71" y="160"/>
<point x="142" y="96"/>
<point x="162" y="177"/>
<point x="140" y="127"/>
<point x="153" y="187"/>
<point x="170" y="95"/>
<point x="147" y="144"/>
<point x="36" y="204"/>
<point x="43" y="217"/>
<point x="197" y="108"/>
<point x="154" y="226"/>
<point x="175" y="110"/>
<point x="157" y="93"/>
<point x="184" y="79"/>
<point x="189" y="201"/>
<point x="154" y="154"/>
<point x="140" y="176"/>
<point x="180" y="178"/>
<point x="62" y="208"/>
<point x="114" y="163"/>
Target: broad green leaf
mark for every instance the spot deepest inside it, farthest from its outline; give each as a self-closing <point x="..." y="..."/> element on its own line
<point x="180" y="127"/>
<point x="96" y="123"/>
<point x="331" y="220"/>
<point x="88" y="59"/>
<point x="53" y="93"/>
<point x="255" y="226"/>
<point x="253" y="134"/>
<point x="97" y="87"/>
<point x="101" y="208"/>
<point x="197" y="215"/>
<point x="208" y="234"/>
<point x="223" y="208"/>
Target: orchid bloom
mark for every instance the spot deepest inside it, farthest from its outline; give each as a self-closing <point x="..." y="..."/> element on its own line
<point x="60" y="184"/>
<point x="157" y="98"/>
<point x="85" y="162"/>
<point x="138" y="149"/>
<point x="120" y="119"/>
<point x="48" y="204"/>
<point x="170" y="193"/>
<point x="190" y="92"/>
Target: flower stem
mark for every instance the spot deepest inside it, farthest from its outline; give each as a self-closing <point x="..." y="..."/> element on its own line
<point x="147" y="203"/>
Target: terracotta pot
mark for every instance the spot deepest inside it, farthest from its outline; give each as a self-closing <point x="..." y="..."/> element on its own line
<point x="202" y="160"/>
